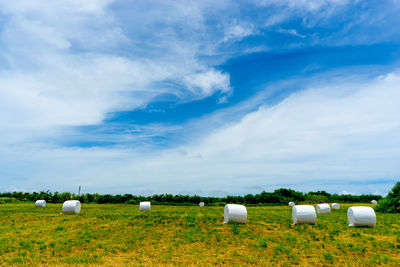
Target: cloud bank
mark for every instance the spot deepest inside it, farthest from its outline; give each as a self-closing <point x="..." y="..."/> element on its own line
<point x="324" y="136"/>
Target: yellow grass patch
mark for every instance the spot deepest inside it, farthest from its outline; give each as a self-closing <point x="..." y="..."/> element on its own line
<point x="120" y="235"/>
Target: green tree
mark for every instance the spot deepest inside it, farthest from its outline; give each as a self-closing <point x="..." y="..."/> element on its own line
<point x="391" y="203"/>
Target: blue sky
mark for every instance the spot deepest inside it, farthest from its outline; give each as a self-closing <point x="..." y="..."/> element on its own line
<point x="199" y="97"/>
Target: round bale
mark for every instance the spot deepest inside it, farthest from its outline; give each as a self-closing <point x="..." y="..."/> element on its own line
<point x="201" y="204"/>
<point x="40" y="203"/>
<point x="304" y="214"/>
<point x="71" y="206"/>
<point x="235" y="213"/>
<point x="374" y="202"/>
<point x="291" y="204"/>
<point x="361" y="216"/>
<point x="323" y="208"/>
<point x="144" y="205"/>
<point x="335" y="206"/>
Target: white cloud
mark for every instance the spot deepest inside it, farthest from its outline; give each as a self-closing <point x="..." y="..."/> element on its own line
<point x="238" y="31"/>
<point x="292" y="32"/>
<point x="308" y="5"/>
<point x="207" y="83"/>
<point x="328" y="133"/>
<point x="76" y="90"/>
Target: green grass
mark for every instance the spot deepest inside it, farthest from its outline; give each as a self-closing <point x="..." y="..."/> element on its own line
<point x="183" y="235"/>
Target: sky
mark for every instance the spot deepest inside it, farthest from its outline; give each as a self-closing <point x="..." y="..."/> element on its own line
<point x="199" y="97"/>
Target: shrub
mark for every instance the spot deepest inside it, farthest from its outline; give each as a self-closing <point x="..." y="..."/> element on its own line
<point x="312" y="198"/>
<point x="391" y="203"/>
<point x="4" y="200"/>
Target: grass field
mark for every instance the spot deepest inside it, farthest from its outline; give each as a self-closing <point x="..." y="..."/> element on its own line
<point x="179" y="235"/>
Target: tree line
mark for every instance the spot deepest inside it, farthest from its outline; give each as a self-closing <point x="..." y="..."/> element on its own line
<point x="278" y="197"/>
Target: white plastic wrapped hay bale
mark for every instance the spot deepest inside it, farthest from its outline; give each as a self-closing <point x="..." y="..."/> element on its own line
<point x="291" y="204"/>
<point x="235" y="213"/>
<point x="71" y="206"/>
<point x="335" y="206"/>
<point x="40" y="203"/>
<point x="144" y="205"/>
<point x="361" y="216"/>
<point x="323" y="208"/>
<point x="304" y="214"/>
<point x="201" y="204"/>
<point x="374" y="202"/>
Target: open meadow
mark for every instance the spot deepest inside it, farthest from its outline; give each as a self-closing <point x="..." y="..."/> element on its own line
<point x="114" y="235"/>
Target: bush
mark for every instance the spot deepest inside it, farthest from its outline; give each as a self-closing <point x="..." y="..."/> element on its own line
<point x="391" y="203"/>
<point x="4" y="200"/>
<point x="312" y="198"/>
<point x="132" y="201"/>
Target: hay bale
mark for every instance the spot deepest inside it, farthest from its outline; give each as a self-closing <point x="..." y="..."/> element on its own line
<point x="71" y="206"/>
<point x="144" y="205"/>
<point x="235" y="213"/>
<point x="291" y="204"/>
<point x="361" y="216"/>
<point x="40" y="203"/>
<point x="335" y="206"/>
<point x="374" y="202"/>
<point x="323" y="208"/>
<point x="201" y="204"/>
<point x="302" y="214"/>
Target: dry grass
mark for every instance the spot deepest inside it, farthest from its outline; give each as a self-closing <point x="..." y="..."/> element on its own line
<point x="169" y="235"/>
